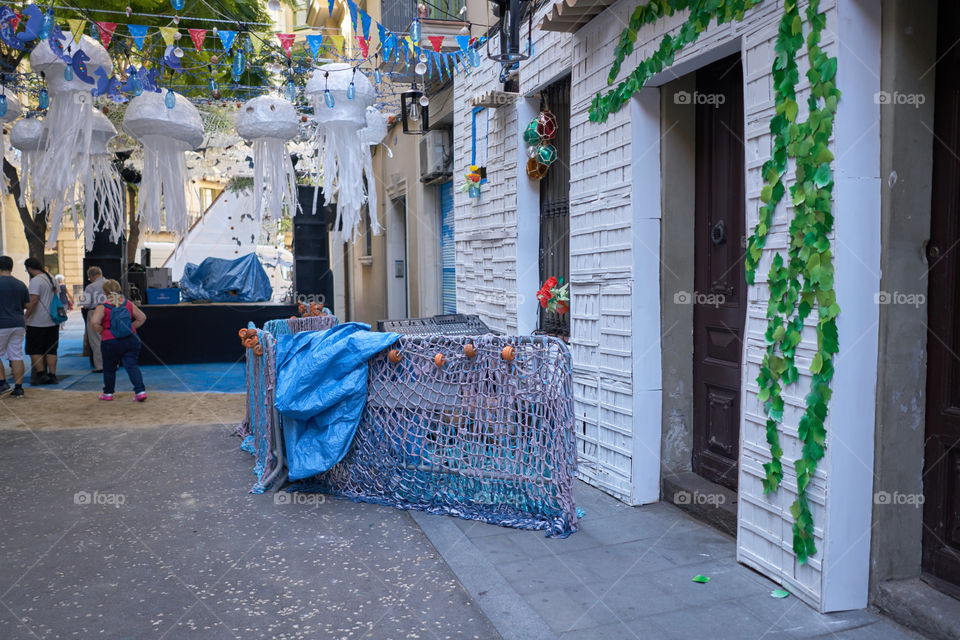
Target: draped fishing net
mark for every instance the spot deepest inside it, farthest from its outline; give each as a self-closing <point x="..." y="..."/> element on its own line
<point x="258" y="427"/>
<point x="478" y="436"/>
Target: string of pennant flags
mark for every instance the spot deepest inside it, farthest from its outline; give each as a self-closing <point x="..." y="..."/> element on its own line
<point x="391" y="45"/>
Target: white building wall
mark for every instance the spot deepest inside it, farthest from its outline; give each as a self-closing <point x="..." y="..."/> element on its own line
<point x="609" y="225"/>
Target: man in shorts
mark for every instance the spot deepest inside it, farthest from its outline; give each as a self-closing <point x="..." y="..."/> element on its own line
<point x="13" y="300"/>
<point x="43" y="334"/>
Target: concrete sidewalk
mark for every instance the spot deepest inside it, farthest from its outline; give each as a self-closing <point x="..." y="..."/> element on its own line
<point x="627" y="573"/>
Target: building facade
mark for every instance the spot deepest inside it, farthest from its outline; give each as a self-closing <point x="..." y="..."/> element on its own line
<point x="666" y="335"/>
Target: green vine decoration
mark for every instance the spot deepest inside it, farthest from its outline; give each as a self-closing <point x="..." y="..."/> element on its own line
<point x="805" y="279"/>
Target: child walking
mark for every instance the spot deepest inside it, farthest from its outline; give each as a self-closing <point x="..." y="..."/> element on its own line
<point x="116" y="320"/>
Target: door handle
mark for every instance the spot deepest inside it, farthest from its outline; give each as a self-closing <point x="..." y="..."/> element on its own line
<point x="718" y="234"/>
<point x="933" y="251"/>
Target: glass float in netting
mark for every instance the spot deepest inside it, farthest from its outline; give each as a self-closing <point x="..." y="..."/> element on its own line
<point x="536" y="169"/>
<point x="546" y="125"/>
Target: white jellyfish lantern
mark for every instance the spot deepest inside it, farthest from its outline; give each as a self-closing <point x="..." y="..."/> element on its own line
<point x="340" y="96"/>
<point x="27" y="136"/>
<point x="69" y="120"/>
<point x="166" y="133"/>
<point x="102" y="189"/>
<point x="10" y="110"/>
<point x="268" y="123"/>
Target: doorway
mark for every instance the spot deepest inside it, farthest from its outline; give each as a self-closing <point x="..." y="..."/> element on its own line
<point x="941" y="474"/>
<point x="719" y="296"/>
<point x="397" y="259"/>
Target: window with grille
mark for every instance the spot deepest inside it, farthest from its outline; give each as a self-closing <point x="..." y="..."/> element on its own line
<point x="555" y="205"/>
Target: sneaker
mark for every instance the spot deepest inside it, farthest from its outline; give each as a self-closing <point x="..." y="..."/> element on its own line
<point x="140" y="397"/>
<point x="17" y="392"/>
<point x="38" y="379"/>
<point x="4" y="387"/>
<point x="106" y="396"/>
<point x="51" y="379"/>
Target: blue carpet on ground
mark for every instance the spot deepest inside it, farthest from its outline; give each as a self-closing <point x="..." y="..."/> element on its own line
<point x="76" y="373"/>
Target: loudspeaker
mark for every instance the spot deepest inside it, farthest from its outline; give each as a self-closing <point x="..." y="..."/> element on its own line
<point x="312" y="277"/>
<point x="108" y="255"/>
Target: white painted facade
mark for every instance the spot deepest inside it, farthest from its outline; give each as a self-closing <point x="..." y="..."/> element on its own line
<point x="615" y="245"/>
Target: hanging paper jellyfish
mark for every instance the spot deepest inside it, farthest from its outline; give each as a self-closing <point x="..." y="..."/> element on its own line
<point x="69" y="120"/>
<point x="102" y="189"/>
<point x="27" y="136"/>
<point x="347" y="166"/>
<point x="10" y="110"/>
<point x="166" y="133"/>
<point x="268" y="122"/>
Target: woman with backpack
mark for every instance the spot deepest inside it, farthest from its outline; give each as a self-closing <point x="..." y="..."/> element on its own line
<point x="116" y="320"/>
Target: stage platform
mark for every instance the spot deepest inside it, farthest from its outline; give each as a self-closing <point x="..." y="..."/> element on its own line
<point x="189" y="333"/>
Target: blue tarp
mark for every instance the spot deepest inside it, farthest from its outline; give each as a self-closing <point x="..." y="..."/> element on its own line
<point x="219" y="280"/>
<point x="321" y="392"/>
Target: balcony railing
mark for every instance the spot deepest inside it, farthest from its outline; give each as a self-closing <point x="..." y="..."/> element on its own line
<point x="397" y="15"/>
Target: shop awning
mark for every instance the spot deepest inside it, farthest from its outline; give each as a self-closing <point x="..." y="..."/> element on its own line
<point x="569" y="15"/>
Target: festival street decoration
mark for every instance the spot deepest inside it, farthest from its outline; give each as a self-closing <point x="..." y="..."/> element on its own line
<point x="539" y="135"/>
<point x="269" y="122"/>
<point x="167" y="125"/>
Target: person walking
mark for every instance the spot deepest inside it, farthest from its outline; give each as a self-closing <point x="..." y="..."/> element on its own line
<point x="43" y="334"/>
<point x="65" y="298"/>
<point x="117" y="320"/>
<point x="93" y="296"/>
<point x="14" y="298"/>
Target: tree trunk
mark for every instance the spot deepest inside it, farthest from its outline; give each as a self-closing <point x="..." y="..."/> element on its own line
<point x="133" y="235"/>
<point x="34" y="226"/>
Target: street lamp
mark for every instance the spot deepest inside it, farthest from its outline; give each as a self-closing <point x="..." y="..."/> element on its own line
<point x="415" y="111"/>
<point x="510" y="13"/>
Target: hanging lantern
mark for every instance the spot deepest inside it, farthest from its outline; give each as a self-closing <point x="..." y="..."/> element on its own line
<point x="268" y="123"/>
<point x="413" y="114"/>
<point x="10" y="110"/>
<point x="536" y="169"/>
<point x="510" y="13"/>
<point x="546" y="125"/>
<point x="345" y="159"/>
<point x="28" y="136"/>
<point x="103" y="194"/>
<point x="69" y="121"/>
<point x="239" y="64"/>
<point x="165" y="134"/>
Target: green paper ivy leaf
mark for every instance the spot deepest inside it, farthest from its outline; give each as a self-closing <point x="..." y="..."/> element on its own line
<point x="700" y="579"/>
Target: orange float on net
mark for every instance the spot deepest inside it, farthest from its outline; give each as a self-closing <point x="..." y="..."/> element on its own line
<point x="469" y="350"/>
<point x="258" y="350"/>
<point x="439" y="359"/>
<point x="508" y="353"/>
<point x="242" y="333"/>
<point x="393" y="356"/>
<point x="248" y="343"/>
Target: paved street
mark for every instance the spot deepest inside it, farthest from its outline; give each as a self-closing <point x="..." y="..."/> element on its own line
<point x="172" y="546"/>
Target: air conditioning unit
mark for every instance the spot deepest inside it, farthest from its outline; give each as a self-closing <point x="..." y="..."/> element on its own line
<point x="436" y="155"/>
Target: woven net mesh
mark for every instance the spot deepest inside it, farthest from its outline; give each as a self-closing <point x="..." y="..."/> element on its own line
<point x="479" y="437"/>
<point x="258" y="427"/>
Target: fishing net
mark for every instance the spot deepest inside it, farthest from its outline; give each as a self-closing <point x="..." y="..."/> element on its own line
<point x="481" y="437"/>
<point x="259" y="428"/>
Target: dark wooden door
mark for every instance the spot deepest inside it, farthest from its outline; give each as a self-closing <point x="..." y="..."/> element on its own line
<point x="719" y="296"/>
<point x="941" y="475"/>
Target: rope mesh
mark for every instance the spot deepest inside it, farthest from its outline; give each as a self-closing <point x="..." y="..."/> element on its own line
<point x="484" y="437"/>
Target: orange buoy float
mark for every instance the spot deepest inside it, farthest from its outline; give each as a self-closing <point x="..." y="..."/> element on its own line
<point x="469" y="350"/>
<point x="393" y="356"/>
<point x="242" y="333"/>
<point x="258" y="350"/>
<point x="508" y="353"/>
<point x="439" y="359"/>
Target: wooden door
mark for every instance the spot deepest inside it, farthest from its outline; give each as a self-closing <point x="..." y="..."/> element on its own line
<point x="941" y="475"/>
<point x="719" y="296"/>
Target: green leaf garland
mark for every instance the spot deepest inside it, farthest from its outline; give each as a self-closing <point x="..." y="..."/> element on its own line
<point x="803" y="281"/>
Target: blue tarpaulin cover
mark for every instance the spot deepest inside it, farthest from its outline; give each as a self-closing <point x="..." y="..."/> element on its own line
<point x="220" y="280"/>
<point x="321" y="392"/>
